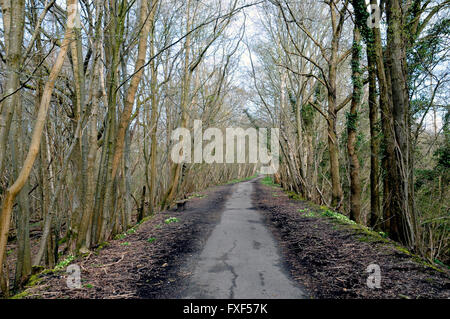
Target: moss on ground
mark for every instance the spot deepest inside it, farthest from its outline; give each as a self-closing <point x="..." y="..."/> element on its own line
<point x="295" y="196"/>
<point x="341" y="222"/>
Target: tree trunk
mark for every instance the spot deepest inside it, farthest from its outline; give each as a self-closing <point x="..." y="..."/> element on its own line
<point x="14" y="189"/>
<point x="13" y="24"/>
<point x="23" y="265"/>
<point x="399" y="206"/>
<point x="85" y="230"/>
<point x="375" y="214"/>
<point x="336" y="191"/>
<point x="352" y="123"/>
<point x="187" y="76"/>
<point x="153" y="124"/>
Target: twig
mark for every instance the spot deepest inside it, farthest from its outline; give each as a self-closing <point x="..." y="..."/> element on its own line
<point x="114" y="263"/>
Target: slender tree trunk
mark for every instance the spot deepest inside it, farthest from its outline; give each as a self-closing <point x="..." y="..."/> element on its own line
<point x="336" y="191"/>
<point x="375" y="214"/>
<point x="79" y="154"/>
<point x="113" y="41"/>
<point x="176" y="167"/>
<point x="85" y="232"/>
<point x="13" y="24"/>
<point x="352" y="123"/>
<point x="14" y="189"/>
<point x="117" y="148"/>
<point x="23" y="265"/>
<point x="146" y="22"/>
<point x="153" y="125"/>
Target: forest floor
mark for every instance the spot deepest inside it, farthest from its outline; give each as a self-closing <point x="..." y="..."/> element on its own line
<point x="146" y="262"/>
<point x="329" y="255"/>
<point x="325" y="255"/>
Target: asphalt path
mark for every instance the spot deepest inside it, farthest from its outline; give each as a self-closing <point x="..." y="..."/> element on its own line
<point x="241" y="259"/>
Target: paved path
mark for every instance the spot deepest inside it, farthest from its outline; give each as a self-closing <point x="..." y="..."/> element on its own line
<point x="240" y="259"/>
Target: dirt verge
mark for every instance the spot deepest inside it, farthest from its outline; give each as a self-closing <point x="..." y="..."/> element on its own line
<point x="147" y="262"/>
<point x="331" y="258"/>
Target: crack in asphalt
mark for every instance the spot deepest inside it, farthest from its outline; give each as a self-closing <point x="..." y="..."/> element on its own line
<point x="231" y="269"/>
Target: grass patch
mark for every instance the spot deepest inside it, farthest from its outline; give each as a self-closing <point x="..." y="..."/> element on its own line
<point x="234" y="181"/>
<point x="337" y="216"/>
<point x="64" y="263"/>
<point x="171" y="220"/>
<point x="151" y="240"/>
<point x="120" y="236"/>
<point x="269" y="182"/>
<point x="327" y="213"/>
<point x="308" y="213"/>
<point x="131" y="231"/>
<point x="197" y="196"/>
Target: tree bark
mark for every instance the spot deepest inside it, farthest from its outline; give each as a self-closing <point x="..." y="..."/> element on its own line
<point x="187" y="76"/>
<point x="352" y="123"/>
<point x="13" y="24"/>
<point x="14" y="189"/>
<point x="398" y="206"/>
<point x="375" y="214"/>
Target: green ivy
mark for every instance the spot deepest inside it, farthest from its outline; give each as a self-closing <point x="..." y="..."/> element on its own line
<point x="352" y="120"/>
